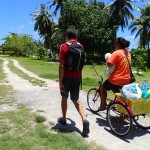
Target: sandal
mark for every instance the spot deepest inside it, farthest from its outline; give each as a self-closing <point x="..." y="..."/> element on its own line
<point x="102" y="108"/>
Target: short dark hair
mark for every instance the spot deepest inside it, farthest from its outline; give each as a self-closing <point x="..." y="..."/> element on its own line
<point x="123" y="42"/>
<point x="71" y="33"/>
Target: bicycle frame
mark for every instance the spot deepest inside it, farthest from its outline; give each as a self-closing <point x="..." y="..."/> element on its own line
<point x="124" y="103"/>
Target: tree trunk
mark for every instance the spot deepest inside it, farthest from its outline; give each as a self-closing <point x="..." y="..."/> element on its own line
<point x="50" y="47"/>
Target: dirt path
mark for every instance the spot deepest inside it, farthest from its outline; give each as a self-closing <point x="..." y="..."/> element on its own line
<point x="47" y="101"/>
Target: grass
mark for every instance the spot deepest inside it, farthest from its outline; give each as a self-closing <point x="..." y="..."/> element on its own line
<point x="49" y="70"/>
<point x="34" y="81"/>
<point x="2" y="75"/>
<point x="40" y="119"/>
<point x="42" y="68"/>
<point x="19" y="130"/>
<point x="24" y="130"/>
<point x="4" y="94"/>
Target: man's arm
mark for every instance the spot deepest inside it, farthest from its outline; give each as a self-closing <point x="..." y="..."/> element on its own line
<point x="61" y="74"/>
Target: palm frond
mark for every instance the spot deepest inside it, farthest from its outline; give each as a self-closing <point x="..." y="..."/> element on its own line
<point x="138" y="33"/>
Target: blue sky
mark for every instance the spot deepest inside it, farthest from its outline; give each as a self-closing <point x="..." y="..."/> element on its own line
<point x="15" y="17"/>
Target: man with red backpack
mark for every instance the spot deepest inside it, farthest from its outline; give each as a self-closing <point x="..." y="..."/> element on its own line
<point x="71" y="58"/>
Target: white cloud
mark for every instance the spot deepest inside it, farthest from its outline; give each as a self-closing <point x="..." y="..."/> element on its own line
<point x="20" y="27"/>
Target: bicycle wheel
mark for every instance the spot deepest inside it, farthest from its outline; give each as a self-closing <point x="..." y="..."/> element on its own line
<point x="142" y="121"/>
<point x="93" y="99"/>
<point x="119" y="119"/>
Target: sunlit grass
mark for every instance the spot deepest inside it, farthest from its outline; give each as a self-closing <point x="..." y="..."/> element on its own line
<point x="34" y="81"/>
<point x="49" y="70"/>
<point x="2" y="75"/>
<point x="20" y="130"/>
<point x="42" y="68"/>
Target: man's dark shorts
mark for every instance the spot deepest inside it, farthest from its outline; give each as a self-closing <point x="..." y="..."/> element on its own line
<point x="109" y="86"/>
<point x="71" y="85"/>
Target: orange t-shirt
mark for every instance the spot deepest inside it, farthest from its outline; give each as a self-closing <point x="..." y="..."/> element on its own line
<point x="121" y="74"/>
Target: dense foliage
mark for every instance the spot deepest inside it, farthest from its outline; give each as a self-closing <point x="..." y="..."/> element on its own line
<point x="95" y="26"/>
<point x="140" y="59"/>
<point x="23" y="45"/>
<point x="19" y="45"/>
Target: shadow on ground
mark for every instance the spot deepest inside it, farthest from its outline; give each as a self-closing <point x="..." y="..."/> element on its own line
<point x="135" y="132"/>
<point x="70" y="127"/>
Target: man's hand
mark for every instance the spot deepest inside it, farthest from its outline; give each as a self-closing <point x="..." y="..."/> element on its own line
<point x="61" y="87"/>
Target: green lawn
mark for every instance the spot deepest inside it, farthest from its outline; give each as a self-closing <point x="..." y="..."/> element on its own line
<point x="34" y="81"/>
<point x="49" y="70"/>
<point x="1" y="72"/>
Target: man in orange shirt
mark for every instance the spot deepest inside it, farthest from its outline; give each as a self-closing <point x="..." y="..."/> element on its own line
<point x="121" y="73"/>
<point x="69" y="82"/>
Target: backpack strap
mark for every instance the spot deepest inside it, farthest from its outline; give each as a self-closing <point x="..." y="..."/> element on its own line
<point x="68" y="43"/>
<point x="81" y="80"/>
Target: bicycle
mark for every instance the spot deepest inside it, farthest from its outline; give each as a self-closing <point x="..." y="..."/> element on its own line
<point x="120" y="111"/>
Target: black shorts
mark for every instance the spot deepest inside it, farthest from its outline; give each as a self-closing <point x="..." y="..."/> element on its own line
<point x="109" y="86"/>
<point x="71" y="85"/>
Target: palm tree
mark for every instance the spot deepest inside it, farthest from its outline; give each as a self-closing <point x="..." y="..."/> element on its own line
<point x="139" y="25"/>
<point x="59" y="5"/>
<point x="44" y="26"/>
<point x="146" y="15"/>
<point x="142" y="26"/>
<point x="121" y="11"/>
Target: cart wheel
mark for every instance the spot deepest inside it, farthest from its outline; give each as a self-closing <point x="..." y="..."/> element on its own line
<point x="119" y="119"/>
<point x="93" y="100"/>
<point x="142" y="121"/>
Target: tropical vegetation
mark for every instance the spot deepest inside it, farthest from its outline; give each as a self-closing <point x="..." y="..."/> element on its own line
<point x="96" y="23"/>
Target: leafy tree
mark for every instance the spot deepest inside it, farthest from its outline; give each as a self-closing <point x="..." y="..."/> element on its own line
<point x="140" y="59"/>
<point x="20" y="45"/>
<point x="59" y="5"/>
<point x="121" y="11"/>
<point x="40" y="52"/>
<point x="95" y="27"/>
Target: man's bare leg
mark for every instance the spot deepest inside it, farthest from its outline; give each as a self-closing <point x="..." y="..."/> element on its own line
<point x="79" y="108"/>
<point x="86" y="124"/>
<point x="64" y="107"/>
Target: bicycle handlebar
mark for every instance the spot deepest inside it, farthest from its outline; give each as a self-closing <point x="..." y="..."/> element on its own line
<point x="93" y="67"/>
